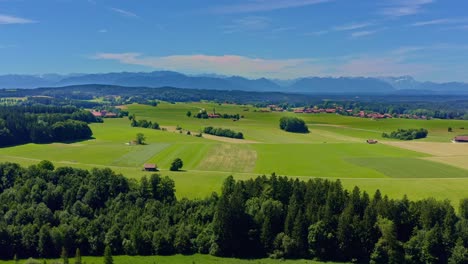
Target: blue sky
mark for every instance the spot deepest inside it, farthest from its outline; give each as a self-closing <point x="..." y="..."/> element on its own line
<point x="427" y="39"/>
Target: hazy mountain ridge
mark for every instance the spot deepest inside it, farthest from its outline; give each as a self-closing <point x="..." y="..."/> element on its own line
<point x="381" y="85"/>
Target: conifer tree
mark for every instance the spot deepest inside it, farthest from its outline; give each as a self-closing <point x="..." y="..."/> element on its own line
<point x="77" y="256"/>
<point x="108" y="255"/>
<point x="64" y="256"/>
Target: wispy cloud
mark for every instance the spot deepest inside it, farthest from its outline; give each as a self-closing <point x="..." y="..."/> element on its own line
<point x="353" y="26"/>
<point x="224" y="64"/>
<point x="399" y="8"/>
<point x="123" y="12"/>
<point x="375" y="66"/>
<point x="282" y="29"/>
<point x="316" y="33"/>
<point x="364" y="33"/>
<point x="251" y="23"/>
<point x="7" y="46"/>
<point x="347" y="27"/>
<point x="265" y="5"/>
<point x="6" y="19"/>
<point x="103" y="30"/>
<point x="356" y="65"/>
<point x="442" y="21"/>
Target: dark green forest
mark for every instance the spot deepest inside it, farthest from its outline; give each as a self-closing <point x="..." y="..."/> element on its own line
<point x="43" y="124"/>
<point x="43" y="209"/>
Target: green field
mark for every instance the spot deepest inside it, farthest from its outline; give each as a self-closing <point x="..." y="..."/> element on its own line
<point x="335" y="148"/>
<point x="179" y="259"/>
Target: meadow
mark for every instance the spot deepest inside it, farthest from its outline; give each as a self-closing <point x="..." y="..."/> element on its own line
<point x="178" y="259"/>
<point x="334" y="148"/>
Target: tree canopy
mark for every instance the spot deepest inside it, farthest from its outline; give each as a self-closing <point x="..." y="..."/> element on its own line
<point x="177" y="164"/>
<point x="46" y="212"/>
<point x="293" y="124"/>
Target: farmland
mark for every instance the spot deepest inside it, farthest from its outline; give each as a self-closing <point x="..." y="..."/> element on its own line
<point x="335" y="148"/>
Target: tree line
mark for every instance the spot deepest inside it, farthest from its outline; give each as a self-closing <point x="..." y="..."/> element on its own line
<point x="42" y="124"/>
<point x="407" y="134"/>
<point x="142" y="123"/>
<point x="45" y="211"/>
<point x="223" y="132"/>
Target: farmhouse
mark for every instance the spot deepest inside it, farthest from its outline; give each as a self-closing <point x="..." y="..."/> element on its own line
<point x="150" y="167"/>
<point x="98" y="113"/>
<point x="112" y="115"/>
<point x="213" y="115"/>
<point x="103" y="113"/>
<point x="460" y="139"/>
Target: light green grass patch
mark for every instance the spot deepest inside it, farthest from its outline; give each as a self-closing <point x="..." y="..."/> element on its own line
<point x="229" y="158"/>
<point x="190" y="153"/>
<point x="410" y="167"/>
<point x="323" y="160"/>
<point x="140" y="154"/>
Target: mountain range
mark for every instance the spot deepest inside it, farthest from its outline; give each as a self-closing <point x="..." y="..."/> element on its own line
<point x="318" y="85"/>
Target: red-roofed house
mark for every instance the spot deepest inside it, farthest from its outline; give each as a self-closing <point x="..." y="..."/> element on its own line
<point x="213" y="115"/>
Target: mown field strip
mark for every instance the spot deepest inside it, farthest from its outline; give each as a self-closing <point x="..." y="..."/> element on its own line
<point x="178" y="259"/>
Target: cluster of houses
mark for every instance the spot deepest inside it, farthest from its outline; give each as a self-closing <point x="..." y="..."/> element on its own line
<point x="412" y="116"/>
<point x="363" y="114"/>
<point x="103" y="113"/>
<point x="275" y="108"/>
<point x="317" y="111"/>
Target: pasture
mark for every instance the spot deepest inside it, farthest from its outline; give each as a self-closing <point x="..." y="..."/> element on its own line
<point x="177" y="259"/>
<point x="335" y="148"/>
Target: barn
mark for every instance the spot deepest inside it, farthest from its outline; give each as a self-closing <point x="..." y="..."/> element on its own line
<point x="150" y="167"/>
<point x="460" y="139"/>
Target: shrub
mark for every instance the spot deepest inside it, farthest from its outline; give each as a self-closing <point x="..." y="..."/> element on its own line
<point x="293" y="124"/>
<point x="407" y="134"/>
<point x="177" y="164"/>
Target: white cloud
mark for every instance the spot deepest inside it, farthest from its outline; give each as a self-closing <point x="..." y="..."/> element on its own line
<point x="316" y="33"/>
<point x="123" y="12"/>
<point x="382" y="66"/>
<point x="251" y="23"/>
<point x="399" y="8"/>
<point x="442" y="21"/>
<point x="364" y="33"/>
<point x="224" y="64"/>
<point x="356" y="65"/>
<point x="353" y="26"/>
<point x="6" y="19"/>
<point x="265" y="5"/>
<point x="103" y="30"/>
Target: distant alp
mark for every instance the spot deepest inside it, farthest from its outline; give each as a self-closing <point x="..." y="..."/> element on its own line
<point x="310" y="85"/>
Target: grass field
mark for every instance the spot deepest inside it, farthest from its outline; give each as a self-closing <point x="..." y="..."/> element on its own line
<point x="179" y="259"/>
<point x="335" y="148"/>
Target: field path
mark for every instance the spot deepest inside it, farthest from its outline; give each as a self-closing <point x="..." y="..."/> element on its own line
<point x="336" y="136"/>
